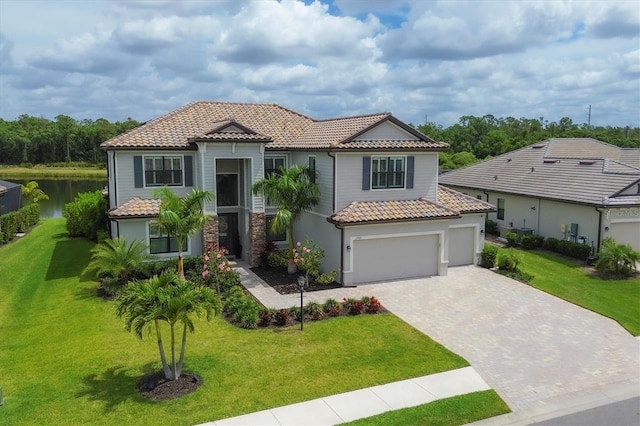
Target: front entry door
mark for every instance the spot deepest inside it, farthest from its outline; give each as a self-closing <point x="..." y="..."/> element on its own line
<point x="228" y="235"/>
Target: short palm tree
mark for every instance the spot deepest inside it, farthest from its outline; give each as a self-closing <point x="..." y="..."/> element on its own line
<point x="118" y="258"/>
<point x="293" y="192"/>
<point x="169" y="299"/>
<point x="180" y="218"/>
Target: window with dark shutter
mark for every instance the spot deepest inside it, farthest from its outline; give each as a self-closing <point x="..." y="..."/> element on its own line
<point x="366" y="173"/>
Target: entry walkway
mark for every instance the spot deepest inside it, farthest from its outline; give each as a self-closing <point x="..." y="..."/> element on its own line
<point x="349" y="406"/>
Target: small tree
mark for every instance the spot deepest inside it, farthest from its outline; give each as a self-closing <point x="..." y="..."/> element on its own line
<point x="169" y="299"/>
<point x="180" y="218"/>
<point x="618" y="259"/>
<point x="293" y="192"/>
<point x="33" y="192"/>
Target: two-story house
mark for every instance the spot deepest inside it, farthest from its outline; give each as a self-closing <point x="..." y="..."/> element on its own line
<point x="382" y="214"/>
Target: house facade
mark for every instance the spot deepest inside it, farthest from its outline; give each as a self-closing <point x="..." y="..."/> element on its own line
<point x="582" y="190"/>
<point x="382" y="214"/>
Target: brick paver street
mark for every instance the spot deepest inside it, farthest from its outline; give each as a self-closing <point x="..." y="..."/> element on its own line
<point x="529" y="346"/>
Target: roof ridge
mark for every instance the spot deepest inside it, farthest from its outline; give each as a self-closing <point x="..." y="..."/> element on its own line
<point x="350" y="117"/>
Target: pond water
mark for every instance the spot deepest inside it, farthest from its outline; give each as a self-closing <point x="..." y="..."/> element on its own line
<point x="61" y="192"/>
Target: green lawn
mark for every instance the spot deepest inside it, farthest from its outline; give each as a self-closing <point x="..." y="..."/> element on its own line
<point x="566" y="278"/>
<point x="453" y="411"/>
<point x="66" y="359"/>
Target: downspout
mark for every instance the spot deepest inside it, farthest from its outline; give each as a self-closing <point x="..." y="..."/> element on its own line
<point x="342" y="256"/>
<point x="486" y="215"/>
<point x="538" y="217"/>
<point x="333" y="188"/>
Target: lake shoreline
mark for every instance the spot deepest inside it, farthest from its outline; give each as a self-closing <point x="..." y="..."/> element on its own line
<point x="44" y="172"/>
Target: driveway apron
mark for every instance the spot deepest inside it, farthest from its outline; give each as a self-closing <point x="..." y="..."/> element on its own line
<point x="531" y="347"/>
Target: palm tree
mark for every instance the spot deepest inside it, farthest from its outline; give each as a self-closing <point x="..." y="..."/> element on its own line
<point x="180" y="218"/>
<point x="293" y="192"/>
<point x="118" y="258"/>
<point x="166" y="298"/>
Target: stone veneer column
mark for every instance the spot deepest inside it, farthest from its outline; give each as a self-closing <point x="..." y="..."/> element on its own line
<point x="257" y="235"/>
<point x="210" y="232"/>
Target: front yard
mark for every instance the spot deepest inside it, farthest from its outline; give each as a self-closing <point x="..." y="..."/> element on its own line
<point x="571" y="280"/>
<point x="66" y="359"/>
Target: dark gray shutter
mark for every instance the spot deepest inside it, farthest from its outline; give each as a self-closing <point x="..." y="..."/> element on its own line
<point x="410" y="164"/>
<point x="188" y="170"/>
<point x="366" y="173"/>
<point x="137" y="171"/>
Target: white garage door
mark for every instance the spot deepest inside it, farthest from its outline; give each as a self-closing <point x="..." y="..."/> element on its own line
<point x="461" y="246"/>
<point x="395" y="258"/>
<point x="625" y="233"/>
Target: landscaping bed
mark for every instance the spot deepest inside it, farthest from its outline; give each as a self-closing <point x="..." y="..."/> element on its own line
<point x="285" y="283"/>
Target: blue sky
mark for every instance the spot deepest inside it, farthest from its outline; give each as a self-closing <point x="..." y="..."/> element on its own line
<point x="415" y="58"/>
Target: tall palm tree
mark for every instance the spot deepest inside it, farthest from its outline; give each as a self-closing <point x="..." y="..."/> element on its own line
<point x="293" y="192"/>
<point x="180" y="218"/>
<point x="118" y="258"/>
<point x="166" y="298"/>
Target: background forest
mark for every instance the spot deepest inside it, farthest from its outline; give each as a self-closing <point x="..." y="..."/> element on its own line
<point x="32" y="140"/>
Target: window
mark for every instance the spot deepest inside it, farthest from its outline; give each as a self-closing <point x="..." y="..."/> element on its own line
<point x="270" y="235"/>
<point x="162" y="243"/>
<point x="272" y="165"/>
<point x="501" y="208"/>
<point x="163" y="170"/>
<point x="312" y="168"/>
<point x="387" y="172"/>
<point x="478" y="197"/>
<point x="227" y="189"/>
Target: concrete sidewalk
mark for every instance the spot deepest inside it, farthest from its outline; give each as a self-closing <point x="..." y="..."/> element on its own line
<point x="358" y="404"/>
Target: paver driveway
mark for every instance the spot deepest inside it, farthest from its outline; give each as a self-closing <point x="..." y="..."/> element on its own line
<point x="529" y="346"/>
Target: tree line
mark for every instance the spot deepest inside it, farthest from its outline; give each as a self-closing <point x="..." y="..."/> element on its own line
<point x="477" y="138"/>
<point x="38" y="140"/>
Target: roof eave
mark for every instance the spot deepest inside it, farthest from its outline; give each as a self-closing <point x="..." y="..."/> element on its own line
<point x="376" y="222"/>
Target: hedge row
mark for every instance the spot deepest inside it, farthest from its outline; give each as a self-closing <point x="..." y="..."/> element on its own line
<point x="18" y="221"/>
<point x="533" y="241"/>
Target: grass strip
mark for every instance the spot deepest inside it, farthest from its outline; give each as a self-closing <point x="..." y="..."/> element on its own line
<point x="454" y="411"/>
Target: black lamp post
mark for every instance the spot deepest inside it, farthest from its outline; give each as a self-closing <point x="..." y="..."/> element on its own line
<point x="301" y="282"/>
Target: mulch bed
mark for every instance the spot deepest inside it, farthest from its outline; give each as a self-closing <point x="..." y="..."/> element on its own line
<point x="285" y="283"/>
<point x="156" y="388"/>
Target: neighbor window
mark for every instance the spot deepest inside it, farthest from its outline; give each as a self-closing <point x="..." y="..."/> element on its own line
<point x="282" y="236"/>
<point x="162" y="243"/>
<point x="163" y="170"/>
<point x="272" y="165"/>
<point x="501" y="208"/>
<point x="387" y="172"/>
<point x="312" y="168"/>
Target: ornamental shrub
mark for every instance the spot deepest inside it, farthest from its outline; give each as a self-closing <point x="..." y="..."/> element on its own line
<point x="488" y="256"/>
<point x="314" y="309"/>
<point x="617" y="259"/>
<point x="278" y="258"/>
<point x="308" y="256"/>
<point x="508" y="260"/>
<point x="372" y="305"/>
<point x="295" y="312"/>
<point x="575" y="250"/>
<point x="491" y="227"/>
<point x="247" y="313"/>
<point x="265" y="317"/>
<point x="28" y="216"/>
<point x="216" y="270"/>
<point x="332" y="307"/>
<point x="528" y="242"/>
<point x="9" y="226"/>
<point x="281" y="317"/>
<point x="551" y="244"/>
<point x="513" y="239"/>
<point x="86" y="215"/>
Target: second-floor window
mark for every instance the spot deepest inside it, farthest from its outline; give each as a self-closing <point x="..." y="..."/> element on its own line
<point x="272" y="165"/>
<point x="387" y="172"/>
<point x="163" y="170"/>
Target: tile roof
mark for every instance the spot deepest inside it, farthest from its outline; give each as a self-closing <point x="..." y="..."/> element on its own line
<point x="584" y="171"/>
<point x="451" y="204"/>
<point x="2" y="189"/>
<point x="279" y="127"/>
<point x="136" y="208"/>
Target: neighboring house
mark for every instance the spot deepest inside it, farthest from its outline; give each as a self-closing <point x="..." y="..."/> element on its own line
<point x="10" y="197"/>
<point x="582" y="190"/>
<point x="381" y="215"/>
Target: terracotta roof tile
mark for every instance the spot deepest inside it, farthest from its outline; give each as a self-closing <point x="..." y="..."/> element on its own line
<point x="279" y="127"/>
<point x="461" y="202"/>
<point x="396" y="210"/>
<point x="3" y="189"/>
<point x="136" y="207"/>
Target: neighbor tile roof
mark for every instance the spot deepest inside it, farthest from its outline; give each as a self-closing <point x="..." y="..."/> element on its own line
<point x="2" y="189"/>
<point x="451" y="204"/>
<point x="280" y="127"/>
<point x="136" y="207"/>
<point x="585" y="171"/>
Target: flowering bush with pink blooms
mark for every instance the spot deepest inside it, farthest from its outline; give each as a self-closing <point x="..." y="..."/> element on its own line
<point x="308" y="256"/>
<point x="217" y="271"/>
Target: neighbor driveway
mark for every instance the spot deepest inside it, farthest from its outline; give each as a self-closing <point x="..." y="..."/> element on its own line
<point x="529" y="346"/>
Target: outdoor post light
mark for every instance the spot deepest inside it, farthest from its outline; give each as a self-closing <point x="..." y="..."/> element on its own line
<point x="301" y="282"/>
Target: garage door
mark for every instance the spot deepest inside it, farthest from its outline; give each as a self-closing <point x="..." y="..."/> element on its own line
<point x="625" y="233"/>
<point x="461" y="246"/>
<point x="395" y="258"/>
